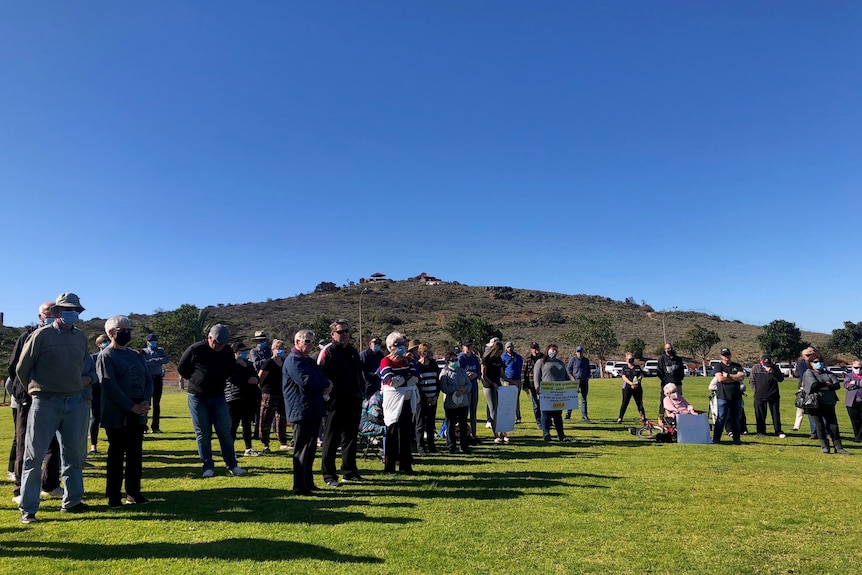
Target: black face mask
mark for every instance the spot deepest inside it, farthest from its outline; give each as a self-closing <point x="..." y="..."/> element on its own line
<point x="123" y="337"/>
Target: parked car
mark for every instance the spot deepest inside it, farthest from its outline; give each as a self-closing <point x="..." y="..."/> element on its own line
<point x="710" y="371"/>
<point x="786" y="369"/>
<point x="615" y="368"/>
<point x="838" y="371"/>
<point x="595" y="372"/>
<point x="650" y="368"/>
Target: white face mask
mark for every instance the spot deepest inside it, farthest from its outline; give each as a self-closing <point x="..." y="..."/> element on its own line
<point x="552" y="354"/>
<point x="857" y="370"/>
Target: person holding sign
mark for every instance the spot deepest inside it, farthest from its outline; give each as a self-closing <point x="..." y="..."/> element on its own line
<point x="551" y="368"/>
<point x="492" y="373"/>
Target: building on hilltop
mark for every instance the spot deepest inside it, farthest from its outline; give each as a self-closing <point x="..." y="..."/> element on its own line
<point x="374" y="278"/>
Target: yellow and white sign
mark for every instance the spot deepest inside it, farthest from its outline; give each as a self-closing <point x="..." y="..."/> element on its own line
<point x="558" y="395"/>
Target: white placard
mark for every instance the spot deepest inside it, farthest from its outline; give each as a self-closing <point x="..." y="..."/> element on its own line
<point x="559" y="395"/>
<point x="507" y="397"/>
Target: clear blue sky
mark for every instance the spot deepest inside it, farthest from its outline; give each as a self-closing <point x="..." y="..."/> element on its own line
<point x="703" y="155"/>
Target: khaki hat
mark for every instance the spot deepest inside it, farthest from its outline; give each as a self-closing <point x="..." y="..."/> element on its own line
<point x="260" y="336"/>
<point x="808" y="351"/>
<point x="69" y="300"/>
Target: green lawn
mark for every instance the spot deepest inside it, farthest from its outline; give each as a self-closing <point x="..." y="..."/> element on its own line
<point x="607" y="503"/>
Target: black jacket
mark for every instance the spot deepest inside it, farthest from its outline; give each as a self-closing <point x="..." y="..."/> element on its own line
<point x="343" y="368"/>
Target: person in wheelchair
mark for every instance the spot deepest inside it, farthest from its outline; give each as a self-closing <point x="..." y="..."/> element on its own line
<point x="674" y="403"/>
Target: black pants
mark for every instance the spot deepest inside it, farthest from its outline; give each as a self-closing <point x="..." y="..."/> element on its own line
<point x="826" y="423"/>
<point x="425" y="420"/>
<point x="760" y="408"/>
<point x="241" y="411"/>
<point x="51" y="463"/>
<point x="855" y="413"/>
<point x="458" y="416"/>
<point x="95" y="415"/>
<point x="630" y="393"/>
<point x="156" y="402"/>
<point x="304" y="448"/>
<point x="342" y="428"/>
<point x="398" y="438"/>
<point x="14" y="442"/>
<point x="125" y="459"/>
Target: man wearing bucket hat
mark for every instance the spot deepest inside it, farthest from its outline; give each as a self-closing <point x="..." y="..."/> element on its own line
<point x="207" y="365"/>
<point x="51" y="364"/>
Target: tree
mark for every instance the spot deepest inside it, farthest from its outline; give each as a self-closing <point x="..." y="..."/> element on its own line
<point x="636" y="347"/>
<point x="596" y="335"/>
<point x="782" y="340"/>
<point x="320" y="327"/>
<point x="180" y="328"/>
<point x="848" y="339"/>
<point x="698" y="342"/>
<point x="476" y="328"/>
<point x="326" y="287"/>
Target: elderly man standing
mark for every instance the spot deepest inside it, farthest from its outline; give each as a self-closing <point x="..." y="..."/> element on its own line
<point x="51" y="363"/>
<point x="156" y="357"/>
<point x="207" y="365"/>
<point x="304" y="385"/>
<point x="51" y="463"/>
<point x="342" y="366"/>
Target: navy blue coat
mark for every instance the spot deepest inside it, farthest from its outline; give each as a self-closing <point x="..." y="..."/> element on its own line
<point x="303" y="383"/>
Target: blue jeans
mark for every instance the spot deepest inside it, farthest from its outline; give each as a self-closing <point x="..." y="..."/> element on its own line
<point x="584" y="390"/>
<point x="209" y="412"/>
<point x="728" y="411"/>
<point x="50" y="416"/>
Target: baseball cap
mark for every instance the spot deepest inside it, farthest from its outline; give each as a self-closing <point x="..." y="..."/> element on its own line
<point x="220" y="334"/>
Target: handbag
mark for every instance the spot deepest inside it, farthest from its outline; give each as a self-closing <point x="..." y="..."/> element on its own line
<point x="807" y="401"/>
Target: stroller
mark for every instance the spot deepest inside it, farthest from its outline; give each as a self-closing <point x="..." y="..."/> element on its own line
<point x="372" y="431"/>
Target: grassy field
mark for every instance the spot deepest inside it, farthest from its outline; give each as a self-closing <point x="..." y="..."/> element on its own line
<point x="607" y="503"/>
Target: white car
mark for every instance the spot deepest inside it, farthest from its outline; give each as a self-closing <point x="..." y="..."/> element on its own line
<point x="615" y="368"/>
<point x="785" y="368"/>
<point x="650" y="368"/>
<point x="837" y="371"/>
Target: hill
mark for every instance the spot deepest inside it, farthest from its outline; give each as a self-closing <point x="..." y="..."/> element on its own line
<point x="421" y="311"/>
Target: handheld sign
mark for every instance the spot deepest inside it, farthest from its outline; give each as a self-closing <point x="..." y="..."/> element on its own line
<point x="558" y="395"/>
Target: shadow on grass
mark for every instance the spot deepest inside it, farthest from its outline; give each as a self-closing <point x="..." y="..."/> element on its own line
<point x="225" y="550"/>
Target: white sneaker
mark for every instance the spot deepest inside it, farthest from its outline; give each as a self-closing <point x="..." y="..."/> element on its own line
<point x="781" y="435"/>
<point x="284" y="447"/>
<point x="56" y="493"/>
<point x="16" y="499"/>
<point x="10" y="476"/>
<point x="237" y="471"/>
<point x="488" y="424"/>
<point x="208" y="473"/>
<point x="251" y="453"/>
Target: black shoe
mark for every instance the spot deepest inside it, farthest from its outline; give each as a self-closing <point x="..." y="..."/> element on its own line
<point x="79" y="508"/>
<point x="466" y="449"/>
<point x="453" y="449"/>
<point x="137" y="500"/>
<point x="474" y="441"/>
<point x="27" y="518"/>
<point x="115" y="503"/>
<point x="407" y="472"/>
<point x="333" y="483"/>
<point x="548" y="438"/>
<point x="355" y="478"/>
<point x="305" y="492"/>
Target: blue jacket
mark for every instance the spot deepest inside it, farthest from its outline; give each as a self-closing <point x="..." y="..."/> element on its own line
<point x="512" y="365"/>
<point x="303" y="383"/>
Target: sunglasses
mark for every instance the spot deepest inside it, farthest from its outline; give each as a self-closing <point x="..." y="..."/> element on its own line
<point x="342" y="331"/>
<point x="307" y="341"/>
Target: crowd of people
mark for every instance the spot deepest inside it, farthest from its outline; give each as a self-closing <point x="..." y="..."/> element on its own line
<point x="332" y="396"/>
